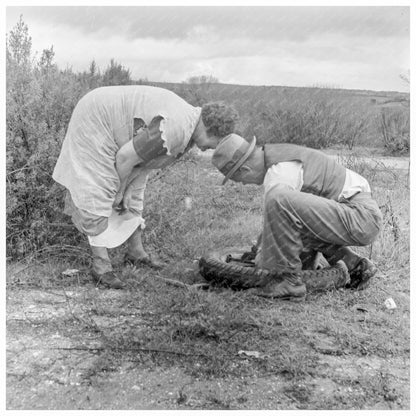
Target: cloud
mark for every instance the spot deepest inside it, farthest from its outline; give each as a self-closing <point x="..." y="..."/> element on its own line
<point x="355" y="47"/>
<point x="297" y="23"/>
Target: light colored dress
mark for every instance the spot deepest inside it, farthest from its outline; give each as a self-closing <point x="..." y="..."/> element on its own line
<point x="101" y="123"/>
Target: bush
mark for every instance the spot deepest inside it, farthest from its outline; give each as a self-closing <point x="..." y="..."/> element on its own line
<point x="354" y="126"/>
<point x="315" y="123"/>
<point x="394" y="127"/>
<point x="39" y="103"/>
<point x="116" y="74"/>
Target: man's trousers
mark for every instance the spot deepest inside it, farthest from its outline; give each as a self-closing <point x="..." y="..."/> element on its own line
<point x="295" y="220"/>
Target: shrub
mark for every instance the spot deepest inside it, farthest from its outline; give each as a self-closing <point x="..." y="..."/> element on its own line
<point x="39" y="103"/>
<point x="354" y="126"/>
<point x="315" y="123"/>
<point x="116" y="74"/>
<point x="394" y="127"/>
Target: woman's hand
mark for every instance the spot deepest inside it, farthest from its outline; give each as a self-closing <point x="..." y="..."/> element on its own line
<point x="117" y="201"/>
<point x="126" y="202"/>
<point x="122" y="202"/>
<point x="126" y="160"/>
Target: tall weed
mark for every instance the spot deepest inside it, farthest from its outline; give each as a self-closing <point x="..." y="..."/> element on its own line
<point x="394" y="127"/>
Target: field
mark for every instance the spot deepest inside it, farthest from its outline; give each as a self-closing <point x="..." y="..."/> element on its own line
<point x="159" y="345"/>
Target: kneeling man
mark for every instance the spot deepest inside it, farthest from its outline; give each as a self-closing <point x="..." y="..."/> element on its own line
<point x="310" y="202"/>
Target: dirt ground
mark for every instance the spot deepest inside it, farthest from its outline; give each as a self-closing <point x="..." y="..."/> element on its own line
<point x="71" y="345"/>
<point x="54" y="363"/>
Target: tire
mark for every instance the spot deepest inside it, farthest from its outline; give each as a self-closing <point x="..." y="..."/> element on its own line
<point x="234" y="268"/>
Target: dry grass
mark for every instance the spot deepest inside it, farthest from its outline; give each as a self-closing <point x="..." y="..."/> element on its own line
<point x="202" y="332"/>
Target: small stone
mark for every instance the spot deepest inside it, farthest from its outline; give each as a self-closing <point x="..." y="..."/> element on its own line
<point x="390" y="303"/>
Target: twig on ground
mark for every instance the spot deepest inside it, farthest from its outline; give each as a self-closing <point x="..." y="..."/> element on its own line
<point x="177" y="283"/>
<point x="96" y="349"/>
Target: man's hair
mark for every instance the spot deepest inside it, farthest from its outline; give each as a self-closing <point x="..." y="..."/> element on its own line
<point x="219" y="118"/>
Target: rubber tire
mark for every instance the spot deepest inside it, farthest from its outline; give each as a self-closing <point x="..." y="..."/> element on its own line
<point x="217" y="270"/>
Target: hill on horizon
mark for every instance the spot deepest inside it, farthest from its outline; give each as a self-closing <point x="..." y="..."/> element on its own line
<point x="280" y="113"/>
<point x="280" y="88"/>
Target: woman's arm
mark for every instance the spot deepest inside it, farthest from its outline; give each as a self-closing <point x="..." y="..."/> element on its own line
<point x="126" y="160"/>
<point x="136" y="185"/>
<point x="147" y="143"/>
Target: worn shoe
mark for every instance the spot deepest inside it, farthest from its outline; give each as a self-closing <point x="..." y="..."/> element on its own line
<point x="290" y="288"/>
<point x="313" y="260"/>
<point x="250" y="256"/>
<point x="361" y="274"/>
<point x="145" y="261"/>
<point x="108" y="279"/>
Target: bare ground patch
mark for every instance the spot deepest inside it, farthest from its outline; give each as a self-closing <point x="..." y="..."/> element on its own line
<point x="79" y="347"/>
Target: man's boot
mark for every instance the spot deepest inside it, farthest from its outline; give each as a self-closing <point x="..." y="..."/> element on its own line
<point x="290" y="287"/>
<point x="360" y="268"/>
<point x="102" y="270"/>
<point x="313" y="260"/>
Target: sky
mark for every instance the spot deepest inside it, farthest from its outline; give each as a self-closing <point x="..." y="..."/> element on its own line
<point x="342" y="47"/>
